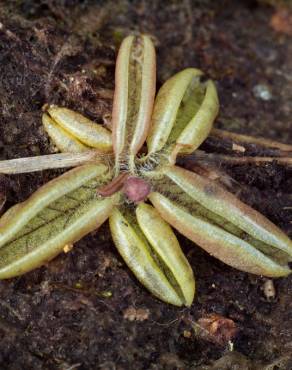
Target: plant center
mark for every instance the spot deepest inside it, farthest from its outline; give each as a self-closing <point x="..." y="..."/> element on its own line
<point x="135" y="188"/>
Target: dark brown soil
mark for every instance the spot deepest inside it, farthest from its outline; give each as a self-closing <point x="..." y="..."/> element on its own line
<point x="85" y="310"/>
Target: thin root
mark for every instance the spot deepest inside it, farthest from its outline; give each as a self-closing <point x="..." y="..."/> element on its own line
<point x="285" y="148"/>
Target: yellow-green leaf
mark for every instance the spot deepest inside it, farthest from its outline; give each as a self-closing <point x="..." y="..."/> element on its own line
<point x="64" y="141"/>
<point x="215" y="240"/>
<point x="183" y="114"/>
<point x="59" y="213"/>
<point x="85" y="131"/>
<point x="165" y="245"/>
<point x="139" y="255"/>
<point x="222" y="203"/>
<point x="134" y="97"/>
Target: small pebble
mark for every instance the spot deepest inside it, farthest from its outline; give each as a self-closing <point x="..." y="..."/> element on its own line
<point x="238" y="148"/>
<point x="187" y="334"/>
<point x="262" y="92"/>
<point x="67" y="248"/>
<point x="134" y="314"/>
<point x="106" y="293"/>
<point x="269" y="289"/>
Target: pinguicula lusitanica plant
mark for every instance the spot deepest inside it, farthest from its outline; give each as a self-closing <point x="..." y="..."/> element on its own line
<point x="133" y="181"/>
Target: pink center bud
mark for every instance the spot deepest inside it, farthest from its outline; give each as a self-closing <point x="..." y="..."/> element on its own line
<point x="136" y="189"/>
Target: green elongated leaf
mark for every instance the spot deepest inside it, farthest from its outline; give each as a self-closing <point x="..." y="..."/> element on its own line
<point x="144" y="261"/>
<point x="196" y="196"/>
<point x="59" y="213"/>
<point x="192" y="134"/>
<point x="167" y="105"/>
<point x="167" y="249"/>
<point x="85" y="131"/>
<point x="215" y="240"/>
<point x="134" y="96"/>
<point x="64" y="141"/>
<point x="224" y="204"/>
<point x="183" y="115"/>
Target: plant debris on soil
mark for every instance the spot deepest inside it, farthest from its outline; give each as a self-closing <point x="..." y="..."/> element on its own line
<point x="85" y="310"/>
